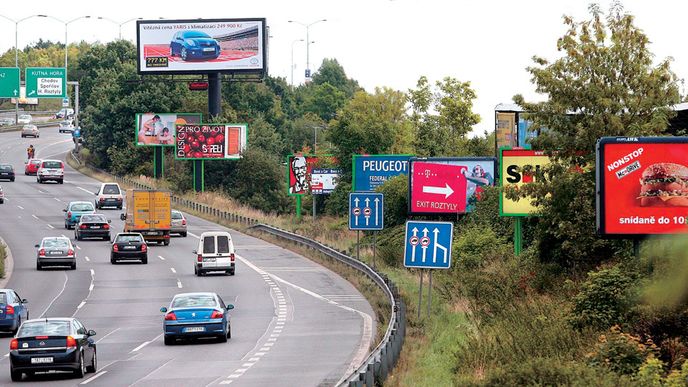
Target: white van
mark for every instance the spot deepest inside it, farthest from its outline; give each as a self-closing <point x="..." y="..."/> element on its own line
<point x="215" y="253"/>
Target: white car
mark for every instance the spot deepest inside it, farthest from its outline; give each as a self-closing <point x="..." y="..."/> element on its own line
<point x="109" y="195"/>
<point x="50" y="170"/>
<point x="66" y="127"/>
<point x="215" y="253"/>
<point x="2" y="196"/>
<point x="25" y="119"/>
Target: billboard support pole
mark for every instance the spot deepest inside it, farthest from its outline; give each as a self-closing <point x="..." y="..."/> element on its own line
<point x="429" y="292"/>
<point x="374" y="247"/>
<point x="215" y="109"/>
<point x="420" y="293"/>
<point x="358" y="244"/>
<point x="315" y="201"/>
<point x="158" y="162"/>
<point x="298" y="207"/>
<point x="518" y="236"/>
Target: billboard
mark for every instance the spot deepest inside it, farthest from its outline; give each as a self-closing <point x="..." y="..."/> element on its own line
<point x="201" y="45"/>
<point x="371" y="171"/>
<point x="159" y="129"/>
<point x="299" y="169"/>
<point x="324" y="180"/>
<point x="210" y="141"/>
<point x="434" y="190"/>
<point x="518" y="167"/>
<point x="642" y="185"/>
<point x="505" y="125"/>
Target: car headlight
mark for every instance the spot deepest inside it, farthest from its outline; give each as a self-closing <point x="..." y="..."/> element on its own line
<point x="190" y="42"/>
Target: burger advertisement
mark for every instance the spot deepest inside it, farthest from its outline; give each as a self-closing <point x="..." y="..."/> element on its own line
<point x="642" y="185"/>
<point x="210" y="141"/>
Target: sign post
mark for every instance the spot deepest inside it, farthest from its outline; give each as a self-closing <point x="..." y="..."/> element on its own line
<point x="46" y="82"/>
<point x="9" y="82"/>
<point x="366" y="212"/>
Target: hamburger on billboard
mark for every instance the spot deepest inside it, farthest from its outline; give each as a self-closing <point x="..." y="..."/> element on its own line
<point x="642" y="185"/>
<point x="210" y="141"/>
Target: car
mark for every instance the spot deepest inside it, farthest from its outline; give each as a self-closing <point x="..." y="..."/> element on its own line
<point x="215" y="252"/>
<point x="7" y="172"/>
<point x="194" y="44"/>
<point x="66" y="127"/>
<point x="24" y="119"/>
<point x="50" y="170"/>
<point x="75" y="210"/>
<point x="53" y="344"/>
<point x="178" y="223"/>
<point x="92" y="226"/>
<point x="129" y="245"/>
<point x="65" y="113"/>
<point x="2" y="196"/>
<point x="30" y="130"/>
<point x="6" y="121"/>
<point x="31" y="166"/>
<point x="55" y="251"/>
<point x="13" y="310"/>
<point x="109" y="195"/>
<point x="193" y="315"/>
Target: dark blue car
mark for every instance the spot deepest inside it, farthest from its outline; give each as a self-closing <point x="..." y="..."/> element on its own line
<point x="13" y="310"/>
<point x="190" y="45"/>
<point x="192" y="315"/>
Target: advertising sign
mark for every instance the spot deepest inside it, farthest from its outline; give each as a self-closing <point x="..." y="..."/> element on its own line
<point x="437" y="188"/>
<point x="210" y="141"/>
<point x="518" y="167"/>
<point x="324" y="180"/>
<point x="505" y="124"/>
<point x="371" y="171"/>
<point x="198" y="46"/>
<point x="161" y="128"/>
<point x="299" y="172"/>
<point x="642" y="185"/>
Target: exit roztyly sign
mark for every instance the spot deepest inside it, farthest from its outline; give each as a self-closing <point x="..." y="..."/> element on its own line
<point x="437" y="188"/>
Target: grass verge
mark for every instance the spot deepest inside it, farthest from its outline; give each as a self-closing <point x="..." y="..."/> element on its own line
<point x="3" y="256"/>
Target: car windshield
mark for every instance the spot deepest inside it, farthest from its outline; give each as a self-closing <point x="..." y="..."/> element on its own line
<point x="44" y="328"/>
<point x="195" y="34"/>
<point x="176" y="215"/>
<point x="3" y="298"/>
<point x="192" y="301"/>
<point x="93" y="218"/>
<point x="24" y="116"/>
<point x="5" y="168"/>
<point x="55" y="242"/>
<point x="82" y="207"/>
<point x="52" y="164"/>
<point x="111" y="189"/>
<point x="35" y="162"/>
<point x="128" y="238"/>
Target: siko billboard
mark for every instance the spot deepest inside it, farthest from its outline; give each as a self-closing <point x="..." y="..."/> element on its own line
<point x="642" y="186"/>
<point x="518" y="167"/>
<point x="161" y="128"/>
<point x="210" y="141"/>
<point x="371" y="171"/>
<point x="201" y="45"/>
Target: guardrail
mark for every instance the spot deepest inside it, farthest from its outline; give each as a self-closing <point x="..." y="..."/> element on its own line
<point x="383" y="358"/>
<point x="15" y="128"/>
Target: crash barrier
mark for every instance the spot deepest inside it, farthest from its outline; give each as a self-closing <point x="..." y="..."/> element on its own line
<point x="375" y="369"/>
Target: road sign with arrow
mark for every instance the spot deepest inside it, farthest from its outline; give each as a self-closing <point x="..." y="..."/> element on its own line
<point x="366" y="211"/>
<point x="9" y="82"/>
<point x="428" y="244"/>
<point x="438" y="188"/>
<point x="46" y="82"/>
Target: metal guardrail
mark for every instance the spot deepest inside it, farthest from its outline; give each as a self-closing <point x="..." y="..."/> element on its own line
<point x="384" y="357"/>
<point x="15" y="128"/>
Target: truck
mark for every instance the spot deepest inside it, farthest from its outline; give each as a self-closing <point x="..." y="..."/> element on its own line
<point x="148" y="212"/>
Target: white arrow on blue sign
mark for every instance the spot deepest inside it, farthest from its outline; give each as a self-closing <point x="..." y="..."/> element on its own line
<point x="428" y="245"/>
<point x="366" y="211"/>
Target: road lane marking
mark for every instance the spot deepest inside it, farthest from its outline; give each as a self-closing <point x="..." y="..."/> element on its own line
<point x="86" y="258"/>
<point x="90" y="287"/>
<point x="173" y="271"/>
<point x="161" y="257"/>
<point x="78" y="248"/>
<point x="81" y="305"/>
<point x="20" y="207"/>
<point x="57" y="199"/>
<point x="140" y="346"/>
<point x="64" y="286"/>
<point x="93" y="272"/>
<point x="99" y="374"/>
<point x="193" y="235"/>
<point x="101" y="339"/>
<point x="51" y="226"/>
<point x="85" y="190"/>
<point x="34" y="216"/>
<point x="179" y="283"/>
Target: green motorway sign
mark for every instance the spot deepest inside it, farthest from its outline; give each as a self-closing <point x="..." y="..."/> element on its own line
<point x="9" y="82"/>
<point x="46" y="82"/>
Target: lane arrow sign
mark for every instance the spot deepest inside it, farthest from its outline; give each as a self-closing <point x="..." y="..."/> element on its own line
<point x="377" y="201"/>
<point x="413" y="252"/>
<point x="446" y="190"/>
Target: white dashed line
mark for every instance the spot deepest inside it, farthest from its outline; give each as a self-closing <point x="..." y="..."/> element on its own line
<point x="179" y="284"/>
<point x="85" y="190"/>
<point x="81" y="305"/>
<point x="87" y="259"/>
<point x="161" y="257"/>
<point x="78" y="248"/>
<point x="90" y="288"/>
<point x="140" y="346"/>
<point x="57" y="199"/>
<point x="34" y="216"/>
<point x="226" y="382"/>
<point x="93" y="272"/>
<point x="99" y="374"/>
<point x="51" y="226"/>
<point x="193" y="235"/>
<point x="20" y="207"/>
<point x="173" y="271"/>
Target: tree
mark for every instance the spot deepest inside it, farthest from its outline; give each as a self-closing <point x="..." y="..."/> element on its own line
<point x="259" y="182"/>
<point x="605" y="84"/>
<point x="332" y="72"/>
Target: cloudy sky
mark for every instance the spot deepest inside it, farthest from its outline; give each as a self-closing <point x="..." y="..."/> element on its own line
<point x="378" y="42"/>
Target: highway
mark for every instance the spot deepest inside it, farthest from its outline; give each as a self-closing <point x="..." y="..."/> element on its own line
<point x="295" y="323"/>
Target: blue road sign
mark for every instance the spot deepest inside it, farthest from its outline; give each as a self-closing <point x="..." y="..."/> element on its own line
<point x="371" y="171"/>
<point x="366" y="210"/>
<point x="428" y="245"/>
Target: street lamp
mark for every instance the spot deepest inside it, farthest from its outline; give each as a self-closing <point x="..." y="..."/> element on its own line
<point x="308" y="43"/>
<point x="119" y="24"/>
<point x="292" y="59"/>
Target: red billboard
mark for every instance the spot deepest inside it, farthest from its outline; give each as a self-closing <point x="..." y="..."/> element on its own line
<point x="210" y="141"/>
<point x="437" y="188"/>
<point x="642" y="185"/>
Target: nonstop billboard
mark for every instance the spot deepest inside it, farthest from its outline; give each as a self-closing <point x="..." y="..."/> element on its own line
<point x="210" y="141"/>
<point x="155" y="129"/>
<point x="371" y="171"/>
<point x="518" y="167"/>
<point x="201" y="45"/>
<point x="642" y="186"/>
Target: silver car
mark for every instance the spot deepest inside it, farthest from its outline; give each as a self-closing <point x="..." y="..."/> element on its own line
<point x="30" y="130"/>
<point x="55" y="251"/>
<point x="25" y="119"/>
<point x="178" y="223"/>
<point x="66" y="127"/>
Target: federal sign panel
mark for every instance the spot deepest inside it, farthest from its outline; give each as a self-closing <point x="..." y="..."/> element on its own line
<point x="371" y="171"/>
<point x="9" y="82"/>
<point x="428" y="245"/>
<point x="366" y="211"/>
<point x="46" y="82"/>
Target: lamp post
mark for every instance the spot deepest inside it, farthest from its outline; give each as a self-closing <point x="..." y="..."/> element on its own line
<point x="119" y="25"/>
<point x="308" y="43"/>
<point x="292" y="59"/>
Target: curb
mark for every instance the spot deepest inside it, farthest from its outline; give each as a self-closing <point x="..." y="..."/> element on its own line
<point x="9" y="265"/>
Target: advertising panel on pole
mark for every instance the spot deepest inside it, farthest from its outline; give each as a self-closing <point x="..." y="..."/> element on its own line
<point x="366" y="211"/>
<point x="201" y="45"/>
<point x="642" y="186"/>
<point x="324" y="180"/>
<point x="518" y="167"/>
<point x="505" y="124"/>
<point x="371" y="171"/>
<point x="448" y="185"/>
<point x="428" y="245"/>
<point x="210" y="141"/>
<point x="299" y="169"/>
<point x="156" y="129"/>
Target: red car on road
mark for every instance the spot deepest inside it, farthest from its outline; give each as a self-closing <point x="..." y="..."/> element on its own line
<point x="31" y="167"/>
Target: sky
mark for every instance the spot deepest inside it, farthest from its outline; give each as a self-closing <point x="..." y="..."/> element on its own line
<point x="379" y="43"/>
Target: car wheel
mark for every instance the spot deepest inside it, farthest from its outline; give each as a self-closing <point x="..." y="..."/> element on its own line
<point x="79" y="373"/>
<point x="96" y="205"/>
<point x="15" y="375"/>
<point x="169" y="340"/>
<point x="66" y="227"/>
<point x="26" y="173"/>
<point x="183" y="234"/>
<point x="61" y="181"/>
<point x="229" y="331"/>
<point x="94" y="363"/>
<point x="144" y="261"/>
<point x="23" y="136"/>
<point x="183" y="53"/>
<point x="38" y="266"/>
<point x="195" y="270"/>
<point x="166" y="243"/>
<point x="14" y="331"/>
<point x="222" y="338"/>
<point x="231" y="272"/>
<point x="113" y="261"/>
<point x="73" y="266"/>
<point x="119" y="207"/>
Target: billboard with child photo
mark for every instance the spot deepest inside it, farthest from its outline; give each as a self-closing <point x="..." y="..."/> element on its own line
<point x="159" y="129"/>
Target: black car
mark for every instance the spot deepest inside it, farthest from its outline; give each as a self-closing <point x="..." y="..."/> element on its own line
<point x="92" y="226"/>
<point x="52" y="344"/>
<point x="6" y="172"/>
<point x="129" y="246"/>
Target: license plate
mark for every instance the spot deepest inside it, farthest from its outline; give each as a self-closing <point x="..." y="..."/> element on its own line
<point x="55" y="252"/>
<point x="5" y="173"/>
<point x="208" y="259"/>
<point x="41" y="360"/>
<point x="208" y="49"/>
<point x="129" y="247"/>
<point x="95" y="227"/>
<point x="194" y="329"/>
<point x="153" y="233"/>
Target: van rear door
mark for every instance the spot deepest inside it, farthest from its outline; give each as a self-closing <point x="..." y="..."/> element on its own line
<point x="224" y="251"/>
<point x="209" y="252"/>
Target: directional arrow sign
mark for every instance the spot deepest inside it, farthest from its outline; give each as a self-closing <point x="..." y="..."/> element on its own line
<point x="432" y="248"/>
<point x="46" y="82"/>
<point x="437" y="188"/>
<point x="9" y="82"/>
<point x="446" y="190"/>
<point x="371" y="216"/>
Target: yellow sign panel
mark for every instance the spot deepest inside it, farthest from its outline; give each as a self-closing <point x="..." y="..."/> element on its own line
<point x="518" y="167"/>
<point x="505" y="133"/>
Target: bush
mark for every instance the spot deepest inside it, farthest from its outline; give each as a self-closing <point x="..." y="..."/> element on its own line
<point x="396" y="200"/>
<point x="621" y="352"/>
<point x="390" y="245"/>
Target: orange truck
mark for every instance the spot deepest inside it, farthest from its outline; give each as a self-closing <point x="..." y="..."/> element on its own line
<point x="148" y="212"/>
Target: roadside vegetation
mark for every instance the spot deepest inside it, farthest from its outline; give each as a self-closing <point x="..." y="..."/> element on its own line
<point x="572" y="309"/>
<point x="3" y="256"/>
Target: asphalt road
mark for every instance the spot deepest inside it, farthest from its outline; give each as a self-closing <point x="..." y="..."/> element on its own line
<point x="295" y="323"/>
